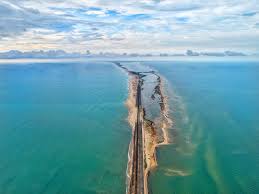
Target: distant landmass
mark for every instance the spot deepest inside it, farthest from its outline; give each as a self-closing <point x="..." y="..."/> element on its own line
<point x="15" y="54"/>
<point x="217" y="54"/>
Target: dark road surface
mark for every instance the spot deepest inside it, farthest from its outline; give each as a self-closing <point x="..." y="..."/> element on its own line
<point x="137" y="180"/>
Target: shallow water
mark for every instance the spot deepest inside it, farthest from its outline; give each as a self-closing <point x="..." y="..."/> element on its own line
<point x="63" y="128"/>
<point x="215" y="136"/>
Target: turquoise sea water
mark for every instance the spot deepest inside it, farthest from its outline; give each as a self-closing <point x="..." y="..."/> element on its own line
<point x="63" y="128"/>
<point x="215" y="108"/>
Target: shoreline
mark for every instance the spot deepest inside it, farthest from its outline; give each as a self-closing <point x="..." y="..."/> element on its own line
<point x="151" y="142"/>
<point x="164" y="110"/>
<point x="132" y="117"/>
<point x="150" y="136"/>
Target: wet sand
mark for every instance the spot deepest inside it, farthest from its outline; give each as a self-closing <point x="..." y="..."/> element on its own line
<point x="151" y="137"/>
<point x="132" y="117"/>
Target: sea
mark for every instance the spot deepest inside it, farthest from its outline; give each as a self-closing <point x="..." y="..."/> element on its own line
<point x="214" y="104"/>
<point x="63" y="126"/>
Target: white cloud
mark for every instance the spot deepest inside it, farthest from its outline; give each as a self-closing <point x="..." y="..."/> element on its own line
<point x="129" y="26"/>
<point x="99" y="13"/>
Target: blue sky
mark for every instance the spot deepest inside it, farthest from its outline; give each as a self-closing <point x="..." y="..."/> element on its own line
<point x="129" y="26"/>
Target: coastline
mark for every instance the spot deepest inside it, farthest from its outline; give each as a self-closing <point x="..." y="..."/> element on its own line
<point x="132" y="117"/>
<point x="151" y="137"/>
<point x="150" y="132"/>
<point x="164" y="110"/>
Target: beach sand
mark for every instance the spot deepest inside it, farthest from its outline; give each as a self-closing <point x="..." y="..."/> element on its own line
<point x="150" y="132"/>
<point x="132" y="117"/>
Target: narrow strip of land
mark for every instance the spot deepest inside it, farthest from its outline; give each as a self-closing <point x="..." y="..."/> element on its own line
<point x="136" y="184"/>
<point x="137" y="180"/>
<point x="145" y="139"/>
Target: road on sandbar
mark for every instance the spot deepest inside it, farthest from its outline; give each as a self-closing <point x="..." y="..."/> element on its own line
<point x="137" y="179"/>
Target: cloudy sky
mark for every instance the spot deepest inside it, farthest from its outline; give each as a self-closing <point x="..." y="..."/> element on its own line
<point x="129" y="25"/>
